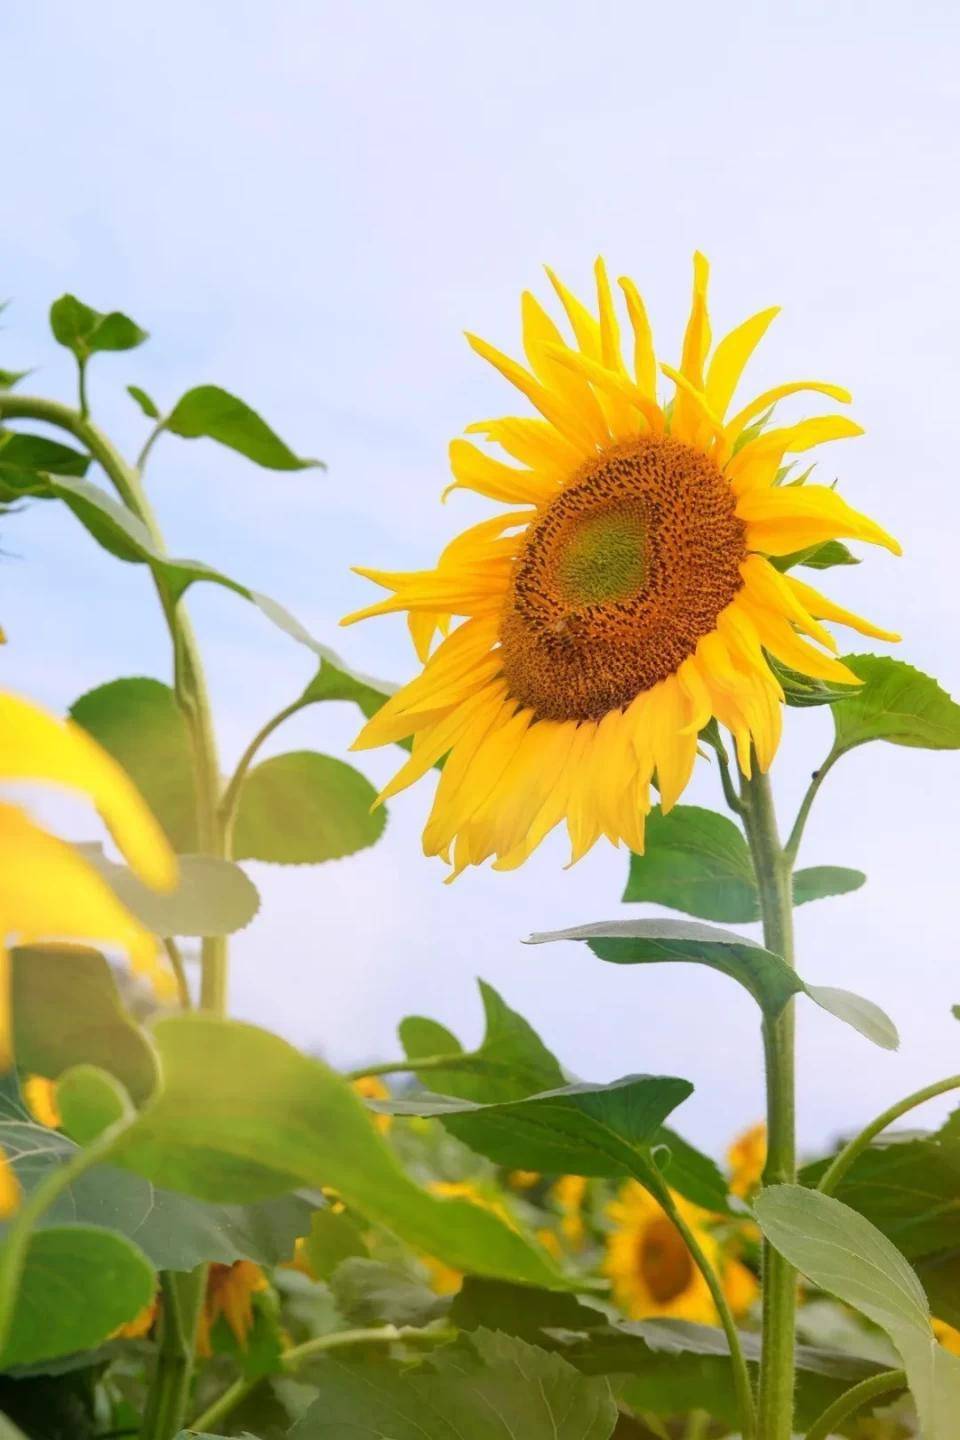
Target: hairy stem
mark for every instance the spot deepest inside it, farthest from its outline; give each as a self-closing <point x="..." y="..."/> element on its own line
<point x="844" y="1159"/>
<point x="890" y="1382"/>
<point x="181" y="1296"/>
<point x="774" y="880"/>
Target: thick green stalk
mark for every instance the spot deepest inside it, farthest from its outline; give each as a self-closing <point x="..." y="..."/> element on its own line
<point x="774" y="880"/>
<point x="181" y="1298"/>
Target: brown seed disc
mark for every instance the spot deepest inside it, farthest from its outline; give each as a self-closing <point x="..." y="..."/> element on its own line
<point x="619" y="578"/>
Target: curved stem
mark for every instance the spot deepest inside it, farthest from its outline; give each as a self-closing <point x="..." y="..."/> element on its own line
<point x="774" y="881"/>
<point x="231" y="796"/>
<point x="741" y="1375"/>
<point x="400" y="1067"/>
<point x="796" y="834"/>
<point x="846" y="1405"/>
<point x="176" y="964"/>
<point x="841" y="1162"/>
<point x="151" y="440"/>
<point x="292" y="1359"/>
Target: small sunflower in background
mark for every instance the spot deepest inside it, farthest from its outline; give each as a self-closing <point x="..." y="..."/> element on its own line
<point x="230" y="1292"/>
<point x="629" y="593"/>
<point x="371" y="1087"/>
<point x="652" y="1271"/>
<point x="746" y="1159"/>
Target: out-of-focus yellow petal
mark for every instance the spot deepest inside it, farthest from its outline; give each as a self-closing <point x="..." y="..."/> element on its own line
<point x="40" y="1098"/>
<point x="9" y="1189"/>
<point x="36" y="746"/>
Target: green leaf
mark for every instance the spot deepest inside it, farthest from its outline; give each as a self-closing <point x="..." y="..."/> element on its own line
<point x="802" y="691"/>
<point x="334" y="681"/>
<point x="175" y="1232"/>
<point x="898" y="704"/>
<point x="148" y="406"/>
<point x="79" y="1283"/>
<point x="19" y="451"/>
<point x="212" y="897"/>
<point x="673" y="1366"/>
<point x="243" y="1115"/>
<point x="768" y="978"/>
<point x="139" y="723"/>
<point x="67" y="1011"/>
<point x="512" y="1060"/>
<point x="333" y="1238"/>
<point x="690" y="1172"/>
<point x="817" y="557"/>
<point x="211" y="412"/>
<point x="940" y="1275"/>
<point x="603" y="1130"/>
<point x="10" y="378"/>
<point x="494" y="1387"/>
<point x="367" y="1292"/>
<point x="303" y="808"/>
<point x="84" y="330"/>
<point x="90" y="1101"/>
<point x="847" y="1256"/>
<point x="698" y="861"/>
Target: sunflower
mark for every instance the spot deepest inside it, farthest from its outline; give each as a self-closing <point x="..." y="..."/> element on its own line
<point x="746" y="1158"/>
<point x="230" y="1292"/>
<point x="628" y="594"/>
<point x="653" y="1272"/>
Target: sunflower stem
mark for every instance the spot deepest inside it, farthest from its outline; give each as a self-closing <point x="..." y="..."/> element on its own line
<point x="775" y="883"/>
<point x="876" y="1387"/>
<point x="844" y="1158"/>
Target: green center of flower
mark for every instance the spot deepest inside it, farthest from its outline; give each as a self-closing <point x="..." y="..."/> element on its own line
<point x="604" y="557"/>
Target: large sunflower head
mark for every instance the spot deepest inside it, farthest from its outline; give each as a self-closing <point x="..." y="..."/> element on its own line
<point x="633" y="590"/>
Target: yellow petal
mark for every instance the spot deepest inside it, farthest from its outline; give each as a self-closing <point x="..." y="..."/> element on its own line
<point x="535" y="443"/>
<point x="730" y="358"/>
<point x="541" y="339"/>
<point x="699" y="417"/>
<point x="779" y="637"/>
<point x="552" y="409"/>
<point x="618" y="386"/>
<point x="792" y="517"/>
<point x="620" y="412"/>
<point x="473" y="470"/>
<point x="770" y="588"/>
<point x="763" y="402"/>
<point x="696" y="344"/>
<point x="37" y="746"/>
<point x="644" y="356"/>
<point x="9" y="1189"/>
<point x="825" y="609"/>
<point x="755" y="466"/>
<point x="584" y="326"/>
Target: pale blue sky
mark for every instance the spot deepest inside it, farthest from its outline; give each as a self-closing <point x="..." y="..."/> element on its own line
<point x="307" y="205"/>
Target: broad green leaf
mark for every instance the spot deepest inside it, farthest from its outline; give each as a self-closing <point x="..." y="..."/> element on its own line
<point x="90" y="1100"/>
<point x="699" y="862"/>
<point x="79" y="1283"/>
<point x="512" y="1060"/>
<point x="139" y="722"/>
<point x="67" y="1011"/>
<point x="940" y="1275"/>
<point x="303" y="808"/>
<point x="148" y="406"/>
<point x="577" y="1130"/>
<point x="19" y="451"/>
<point x="333" y="1238"/>
<point x="210" y="412"/>
<point x="847" y="1256"/>
<point x="690" y="1172"/>
<point x="175" y="1232"/>
<point x="335" y="681"/>
<point x="673" y="1365"/>
<point x="242" y="1115"/>
<point x="84" y="330"/>
<point x="895" y="703"/>
<point x="767" y="977"/>
<point x="212" y="896"/>
<point x="495" y="1387"/>
<point x="367" y="1292"/>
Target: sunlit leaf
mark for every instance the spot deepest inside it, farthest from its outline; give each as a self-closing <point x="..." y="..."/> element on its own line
<point x="85" y="330"/>
<point x="25" y="452"/>
<point x="210" y="412"/>
<point x="896" y="703"/>
<point x="212" y="896"/>
<point x="303" y="808"/>
<point x="148" y="406"/>
<point x="847" y="1256"/>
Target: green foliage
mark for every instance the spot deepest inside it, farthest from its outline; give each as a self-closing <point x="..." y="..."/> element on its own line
<point x="847" y="1256"/>
<point x="79" y="1283"/>
<point x="85" y="330"/>
<point x="210" y="412"/>
<point x="242" y="1115"/>
<point x="335" y="681"/>
<point x="143" y="400"/>
<point x="212" y="896"/>
<point x="303" y="808"/>
<point x="698" y="861"/>
<point x="333" y="1238"/>
<point x="90" y="1101"/>
<point x="67" y="1011"/>
<point x="495" y="1387"/>
<point x="139" y="722"/>
<point x="767" y="977"/>
<point x="10" y="378"/>
<point x="577" y="1130"/>
<point x="824" y="556"/>
<point x="898" y="704"/>
<point x="368" y="1292"/>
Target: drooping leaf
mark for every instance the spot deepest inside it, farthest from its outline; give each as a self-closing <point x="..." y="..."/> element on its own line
<point x="139" y="722"/>
<point x="767" y="977"/>
<point x="143" y="400"/>
<point x="67" y="1011"/>
<point x="212" y="896"/>
<point x="511" y="1061"/>
<point x="303" y="808"/>
<point x="603" y="1130"/>
<point x="242" y="1115"/>
<point x="207" y="411"/>
<point x="898" y="704"/>
<point x="673" y="1366"/>
<point x="78" y="1284"/>
<point x="19" y="451"/>
<point x="85" y="330"/>
<point x="493" y="1387"/>
<point x="847" y="1256"/>
<point x="335" y="681"/>
<point x="368" y="1292"/>
<point x="698" y="861"/>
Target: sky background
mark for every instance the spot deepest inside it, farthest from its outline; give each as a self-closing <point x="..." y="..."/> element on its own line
<point x="309" y="212"/>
